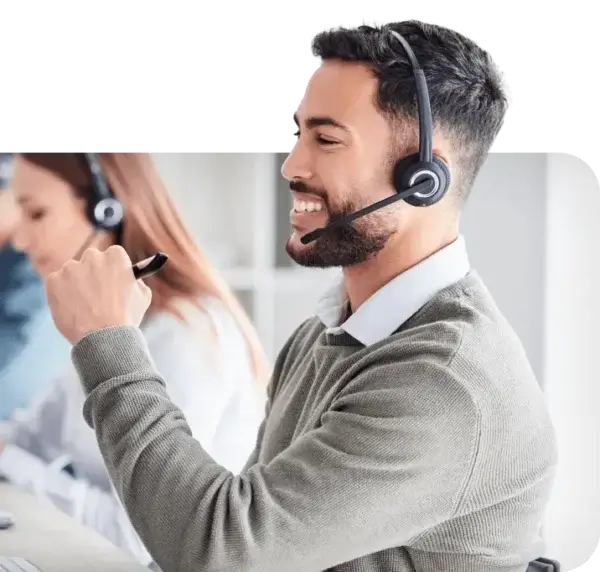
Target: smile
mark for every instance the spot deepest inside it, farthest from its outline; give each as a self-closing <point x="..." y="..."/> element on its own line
<point x="307" y="206"/>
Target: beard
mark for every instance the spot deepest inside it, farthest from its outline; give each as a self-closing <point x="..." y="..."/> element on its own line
<point x="344" y="245"/>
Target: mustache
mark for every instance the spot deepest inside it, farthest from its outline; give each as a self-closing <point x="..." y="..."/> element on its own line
<point x="301" y="187"/>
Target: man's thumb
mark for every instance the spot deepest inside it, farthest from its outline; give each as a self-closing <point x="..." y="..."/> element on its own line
<point x="145" y="289"/>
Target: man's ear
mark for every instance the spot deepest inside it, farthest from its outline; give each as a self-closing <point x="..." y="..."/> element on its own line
<point x="441" y="149"/>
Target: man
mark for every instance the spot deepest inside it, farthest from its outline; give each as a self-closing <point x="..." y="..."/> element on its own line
<point x="404" y="428"/>
<point x="31" y="349"/>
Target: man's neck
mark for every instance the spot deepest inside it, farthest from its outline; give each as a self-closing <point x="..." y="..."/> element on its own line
<point x="402" y="253"/>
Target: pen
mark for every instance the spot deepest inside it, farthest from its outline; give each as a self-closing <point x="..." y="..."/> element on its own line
<point x="149" y="266"/>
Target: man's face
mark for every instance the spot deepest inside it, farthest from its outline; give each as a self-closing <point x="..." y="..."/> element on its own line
<point x="340" y="164"/>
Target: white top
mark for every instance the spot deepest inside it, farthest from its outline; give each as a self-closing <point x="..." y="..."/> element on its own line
<point x="388" y="308"/>
<point x="208" y="377"/>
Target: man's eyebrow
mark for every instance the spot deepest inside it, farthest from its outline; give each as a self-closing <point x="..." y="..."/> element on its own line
<point x="322" y="120"/>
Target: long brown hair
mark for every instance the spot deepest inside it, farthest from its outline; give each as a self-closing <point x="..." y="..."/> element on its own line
<point x="153" y="224"/>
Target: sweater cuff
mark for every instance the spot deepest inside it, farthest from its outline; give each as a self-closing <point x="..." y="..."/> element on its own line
<point x="111" y="352"/>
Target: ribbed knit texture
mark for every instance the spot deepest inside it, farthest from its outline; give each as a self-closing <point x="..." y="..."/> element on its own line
<point x="431" y="450"/>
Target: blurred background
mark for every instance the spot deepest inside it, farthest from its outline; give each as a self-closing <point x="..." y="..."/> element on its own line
<point x="531" y="230"/>
<point x="531" y="233"/>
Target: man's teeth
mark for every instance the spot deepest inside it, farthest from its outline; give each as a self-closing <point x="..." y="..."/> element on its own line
<point x="307" y="206"/>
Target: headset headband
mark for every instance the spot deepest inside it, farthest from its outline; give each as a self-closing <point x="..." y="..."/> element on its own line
<point x="105" y="210"/>
<point x="423" y="105"/>
<point x="99" y="184"/>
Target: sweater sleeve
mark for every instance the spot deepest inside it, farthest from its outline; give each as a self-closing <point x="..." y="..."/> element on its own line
<point x="378" y="472"/>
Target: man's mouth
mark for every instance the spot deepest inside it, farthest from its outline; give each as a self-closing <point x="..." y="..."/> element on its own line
<point x="308" y="212"/>
<point x="307" y="206"/>
<point x="305" y="202"/>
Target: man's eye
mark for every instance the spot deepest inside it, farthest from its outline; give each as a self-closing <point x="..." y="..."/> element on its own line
<point x="320" y="139"/>
<point x="324" y="141"/>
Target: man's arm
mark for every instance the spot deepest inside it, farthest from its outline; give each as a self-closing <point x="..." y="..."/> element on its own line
<point x="378" y="473"/>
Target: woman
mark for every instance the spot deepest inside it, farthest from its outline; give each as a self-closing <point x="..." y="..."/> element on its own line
<point x="197" y="334"/>
<point x="31" y="348"/>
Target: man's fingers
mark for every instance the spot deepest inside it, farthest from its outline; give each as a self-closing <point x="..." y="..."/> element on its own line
<point x="118" y="254"/>
<point x="146" y="292"/>
<point x="68" y="266"/>
<point x="145" y="289"/>
<point x="90" y="254"/>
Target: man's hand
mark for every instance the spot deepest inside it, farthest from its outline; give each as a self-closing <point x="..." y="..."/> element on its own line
<point x="97" y="292"/>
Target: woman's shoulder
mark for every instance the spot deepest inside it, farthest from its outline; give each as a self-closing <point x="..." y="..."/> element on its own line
<point x="204" y="337"/>
<point x="206" y="319"/>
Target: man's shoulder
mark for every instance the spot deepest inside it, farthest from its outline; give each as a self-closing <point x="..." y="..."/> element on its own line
<point x="464" y="336"/>
<point x="461" y="324"/>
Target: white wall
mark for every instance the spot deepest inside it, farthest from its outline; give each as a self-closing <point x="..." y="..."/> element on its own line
<point x="213" y="200"/>
<point x="504" y="223"/>
<point x="572" y="377"/>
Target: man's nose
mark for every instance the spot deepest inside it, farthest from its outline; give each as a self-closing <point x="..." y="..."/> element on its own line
<point x="297" y="165"/>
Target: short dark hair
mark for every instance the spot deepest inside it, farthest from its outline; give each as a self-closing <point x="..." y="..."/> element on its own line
<point x="468" y="102"/>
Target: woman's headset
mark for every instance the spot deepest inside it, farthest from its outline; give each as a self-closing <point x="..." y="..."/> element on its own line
<point x="105" y="211"/>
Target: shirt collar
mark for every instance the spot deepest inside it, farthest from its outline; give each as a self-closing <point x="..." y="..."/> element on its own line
<point x="386" y="310"/>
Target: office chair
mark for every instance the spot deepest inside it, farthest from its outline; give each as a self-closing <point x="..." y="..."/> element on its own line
<point x="543" y="565"/>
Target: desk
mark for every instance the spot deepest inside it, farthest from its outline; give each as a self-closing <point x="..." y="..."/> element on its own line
<point x="54" y="542"/>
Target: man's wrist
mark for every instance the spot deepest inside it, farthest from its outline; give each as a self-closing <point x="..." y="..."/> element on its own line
<point x="111" y="352"/>
<point x="91" y="330"/>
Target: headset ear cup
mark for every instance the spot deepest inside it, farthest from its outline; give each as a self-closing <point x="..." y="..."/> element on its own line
<point x="91" y="213"/>
<point x="403" y="170"/>
<point x="106" y="214"/>
<point x="104" y="210"/>
<point x="445" y="178"/>
<point x="440" y="169"/>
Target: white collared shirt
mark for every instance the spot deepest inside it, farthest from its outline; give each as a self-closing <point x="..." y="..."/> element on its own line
<point x="386" y="310"/>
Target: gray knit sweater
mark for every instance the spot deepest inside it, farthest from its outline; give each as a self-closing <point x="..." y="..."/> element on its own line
<point x="431" y="450"/>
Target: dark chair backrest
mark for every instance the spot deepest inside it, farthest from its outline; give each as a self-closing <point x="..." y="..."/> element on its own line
<point x="543" y="565"/>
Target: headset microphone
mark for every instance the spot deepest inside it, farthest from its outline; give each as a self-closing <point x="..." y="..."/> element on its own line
<point x="421" y="179"/>
<point x="424" y="187"/>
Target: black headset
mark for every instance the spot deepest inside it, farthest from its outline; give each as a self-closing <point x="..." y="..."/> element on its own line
<point x="424" y="166"/>
<point x="105" y="211"/>
<point x="421" y="179"/>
